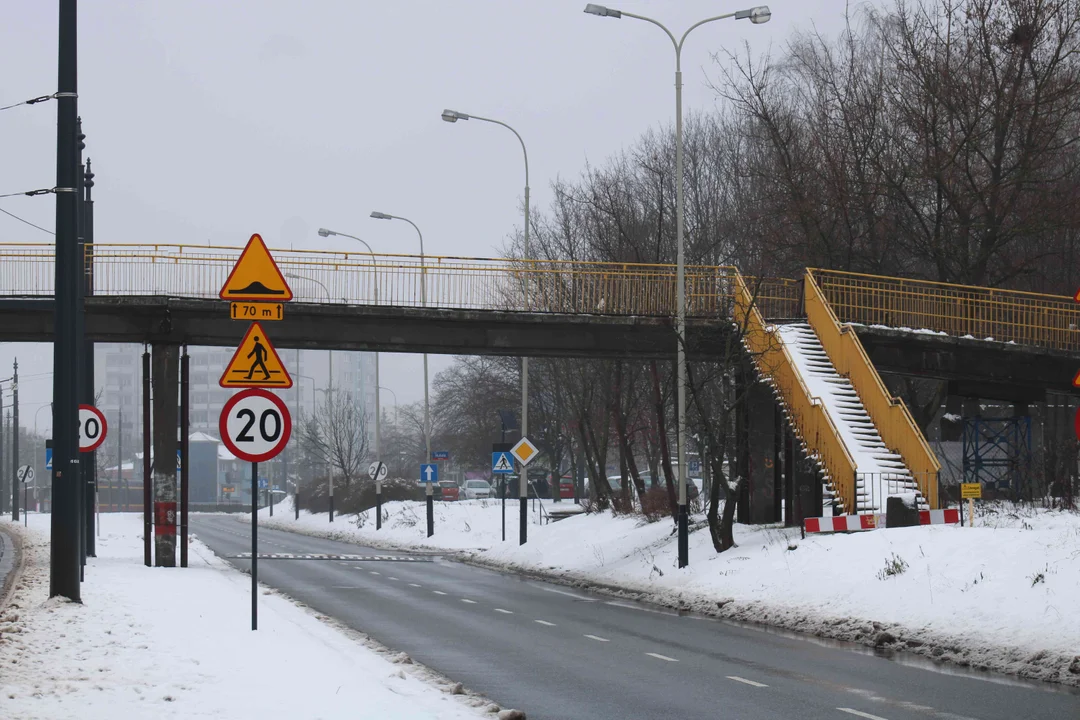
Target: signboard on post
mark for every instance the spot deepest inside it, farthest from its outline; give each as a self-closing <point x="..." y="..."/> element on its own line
<point x="25" y="474"/>
<point x="255" y="364"/>
<point x="48" y="454"/>
<point x="429" y="473"/>
<point x="971" y="490"/>
<point x="377" y="470"/>
<point x="502" y="463"/>
<point x="440" y="454"/>
<point x="92" y="428"/>
<point x="256" y="277"/>
<point x="524" y="451"/>
<point x="255" y="425"/>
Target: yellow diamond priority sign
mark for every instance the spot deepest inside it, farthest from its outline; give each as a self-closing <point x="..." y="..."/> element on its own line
<point x="524" y="451"/>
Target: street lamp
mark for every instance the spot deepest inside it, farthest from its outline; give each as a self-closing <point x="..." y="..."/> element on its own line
<point x="452" y="116"/>
<point x="323" y="232"/>
<point x="757" y="15"/>
<point x="395" y="400"/>
<point x="427" y="416"/>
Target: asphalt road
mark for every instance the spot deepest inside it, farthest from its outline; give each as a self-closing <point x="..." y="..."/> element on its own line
<point x="561" y="654"/>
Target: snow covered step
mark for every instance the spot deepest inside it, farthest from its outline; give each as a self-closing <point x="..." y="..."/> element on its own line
<point x="879" y="472"/>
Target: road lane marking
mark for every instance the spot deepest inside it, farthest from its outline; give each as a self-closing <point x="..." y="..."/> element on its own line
<point x="392" y="577"/>
<point x="736" y="678"/>
<point x="438" y="592"/>
<point x="658" y="656"/>
<point x="596" y="637"/>
<point x="576" y="596"/>
<point x="467" y="600"/>
<point x="504" y="612"/>
<point x="415" y="585"/>
<point x="545" y="622"/>
<point x="861" y="714"/>
<point x="374" y="572"/>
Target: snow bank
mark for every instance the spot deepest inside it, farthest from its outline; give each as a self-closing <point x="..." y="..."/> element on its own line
<point x="996" y="596"/>
<point x="177" y="643"/>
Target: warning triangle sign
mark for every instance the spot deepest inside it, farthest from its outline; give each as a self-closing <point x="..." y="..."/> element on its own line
<point x="255" y="364"/>
<point x="255" y="276"/>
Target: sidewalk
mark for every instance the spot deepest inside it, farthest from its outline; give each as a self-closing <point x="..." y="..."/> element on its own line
<point x="176" y="643"/>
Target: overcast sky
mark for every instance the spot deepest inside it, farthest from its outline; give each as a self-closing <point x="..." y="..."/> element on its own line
<point x="208" y="120"/>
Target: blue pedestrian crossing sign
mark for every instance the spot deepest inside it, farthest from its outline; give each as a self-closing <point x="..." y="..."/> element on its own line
<point x="429" y="473"/>
<point x="48" y="454"/>
<point x="502" y="463"/>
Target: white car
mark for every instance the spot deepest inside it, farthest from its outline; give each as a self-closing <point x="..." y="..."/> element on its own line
<point x="476" y="490"/>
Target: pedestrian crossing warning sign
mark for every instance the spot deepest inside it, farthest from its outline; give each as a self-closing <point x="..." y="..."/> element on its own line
<point x="256" y="276"/>
<point x="502" y="463"/>
<point x="255" y="364"/>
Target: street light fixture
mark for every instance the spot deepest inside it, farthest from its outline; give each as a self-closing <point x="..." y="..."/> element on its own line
<point x="427" y="412"/>
<point x="324" y="232"/>
<point x="756" y="15"/>
<point x="452" y="116"/>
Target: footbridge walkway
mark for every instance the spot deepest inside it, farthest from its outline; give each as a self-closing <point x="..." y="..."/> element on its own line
<point x="816" y="340"/>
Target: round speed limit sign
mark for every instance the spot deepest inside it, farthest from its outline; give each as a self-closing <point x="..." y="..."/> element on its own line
<point x="92" y="428"/>
<point x="255" y="425"/>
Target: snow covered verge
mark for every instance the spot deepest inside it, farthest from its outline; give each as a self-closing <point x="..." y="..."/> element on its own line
<point x="999" y="596"/>
<point x="177" y="643"/>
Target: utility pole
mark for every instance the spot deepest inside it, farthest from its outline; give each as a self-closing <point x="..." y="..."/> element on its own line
<point x="64" y="567"/>
<point x="15" y="443"/>
<point x="87" y="461"/>
<point x="119" y="457"/>
<point x="3" y="485"/>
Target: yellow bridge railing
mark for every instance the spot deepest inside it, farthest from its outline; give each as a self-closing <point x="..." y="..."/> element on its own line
<point x="1048" y="321"/>
<point x="397" y="280"/>
<point x="808" y="415"/>
<point x="890" y="415"/>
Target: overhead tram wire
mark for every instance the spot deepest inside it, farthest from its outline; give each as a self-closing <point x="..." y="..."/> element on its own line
<point x="35" y="101"/>
<point x="27" y="222"/>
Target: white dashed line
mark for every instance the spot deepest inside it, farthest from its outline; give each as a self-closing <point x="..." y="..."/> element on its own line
<point x="467" y="600"/>
<point x="415" y="585"/>
<point x="736" y="678"/>
<point x="658" y="656"/>
<point x="438" y="592"/>
<point x="374" y="572"/>
<point x="504" y="612"/>
<point x="392" y="577"/>
<point x="858" y="713"/>
<point x="545" y="622"/>
<point x="596" y="638"/>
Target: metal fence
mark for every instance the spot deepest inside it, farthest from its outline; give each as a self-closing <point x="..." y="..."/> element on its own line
<point x="397" y="280"/>
<point x="1048" y="321"/>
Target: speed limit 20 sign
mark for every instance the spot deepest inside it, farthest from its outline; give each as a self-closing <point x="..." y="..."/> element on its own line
<point x="255" y="425"/>
<point x="92" y="428"/>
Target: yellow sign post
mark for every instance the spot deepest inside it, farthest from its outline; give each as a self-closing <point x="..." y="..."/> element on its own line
<point x="969" y="492"/>
<point x="256" y="364"/>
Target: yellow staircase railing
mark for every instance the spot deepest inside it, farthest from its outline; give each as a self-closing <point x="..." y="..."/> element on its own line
<point x="807" y="413"/>
<point x="889" y="414"/>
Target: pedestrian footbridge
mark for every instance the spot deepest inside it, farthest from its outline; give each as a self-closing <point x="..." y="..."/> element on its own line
<point x="818" y="341"/>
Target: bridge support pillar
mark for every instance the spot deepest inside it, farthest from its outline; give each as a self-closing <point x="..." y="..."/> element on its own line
<point x="758" y="454"/>
<point x="166" y="382"/>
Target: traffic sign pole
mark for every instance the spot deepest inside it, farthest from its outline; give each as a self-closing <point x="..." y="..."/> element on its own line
<point x="254" y="546"/>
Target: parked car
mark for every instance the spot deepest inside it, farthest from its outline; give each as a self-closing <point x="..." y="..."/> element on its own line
<point x="476" y="490"/>
<point x="448" y="490"/>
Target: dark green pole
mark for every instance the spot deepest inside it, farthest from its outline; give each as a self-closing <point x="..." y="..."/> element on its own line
<point x="64" y="568"/>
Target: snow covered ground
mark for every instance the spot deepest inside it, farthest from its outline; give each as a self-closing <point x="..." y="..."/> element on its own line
<point x="999" y="596"/>
<point x="176" y="643"/>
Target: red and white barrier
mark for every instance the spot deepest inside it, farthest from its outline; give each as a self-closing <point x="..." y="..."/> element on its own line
<point x="855" y="523"/>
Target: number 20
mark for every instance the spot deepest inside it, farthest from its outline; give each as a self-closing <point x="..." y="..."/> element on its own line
<point x="266" y="415"/>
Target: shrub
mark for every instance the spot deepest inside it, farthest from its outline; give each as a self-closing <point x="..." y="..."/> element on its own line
<point x="894" y="566"/>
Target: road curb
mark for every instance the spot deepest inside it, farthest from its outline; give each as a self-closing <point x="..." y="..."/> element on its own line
<point x="10" y="547"/>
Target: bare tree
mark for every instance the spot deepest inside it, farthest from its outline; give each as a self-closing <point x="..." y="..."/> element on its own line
<point x="337" y="432"/>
